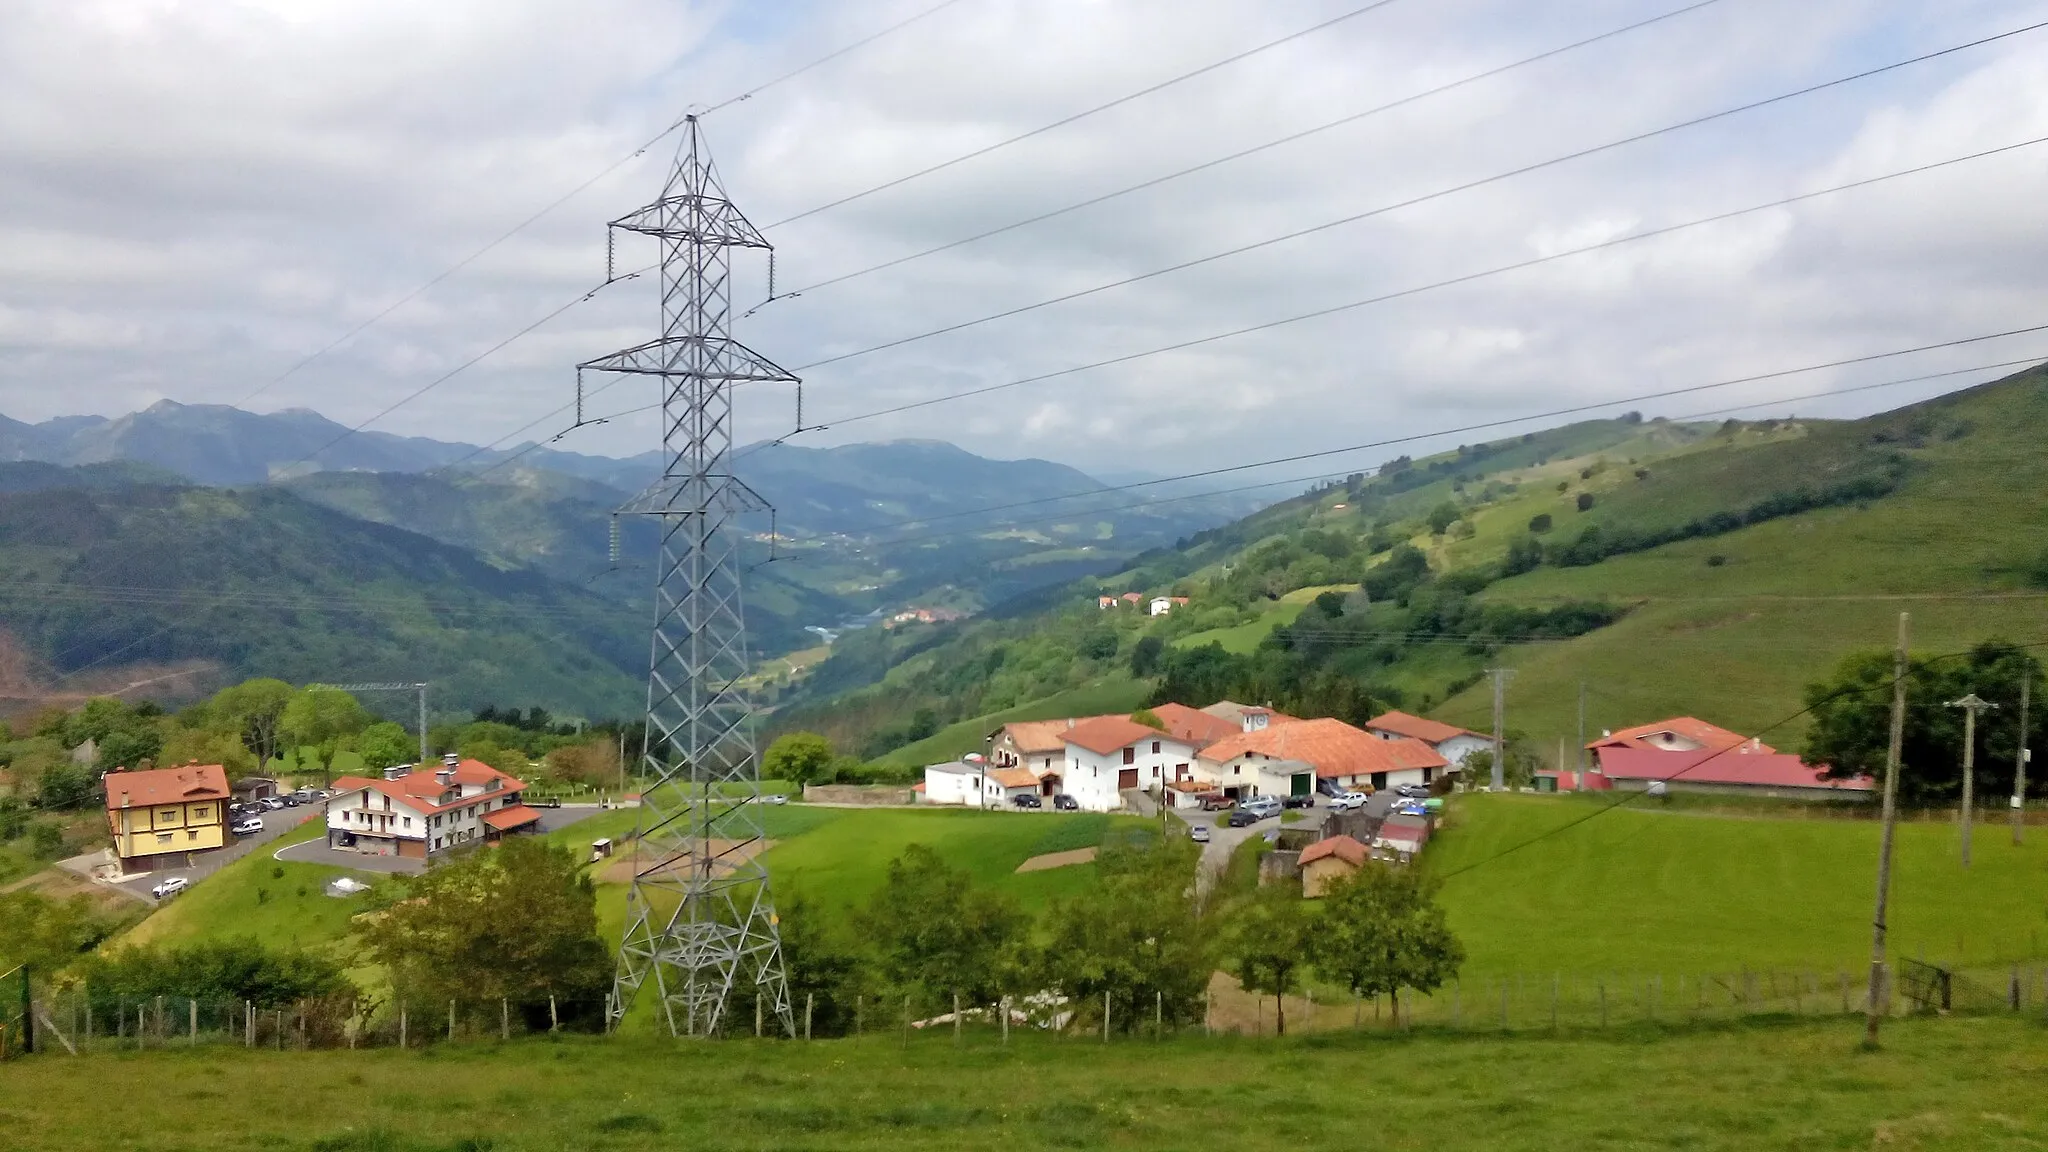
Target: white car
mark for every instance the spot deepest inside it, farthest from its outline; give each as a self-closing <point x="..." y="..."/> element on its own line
<point x="249" y="826"/>
<point x="775" y="798"/>
<point x="170" y="887"/>
<point x="1348" y="801"/>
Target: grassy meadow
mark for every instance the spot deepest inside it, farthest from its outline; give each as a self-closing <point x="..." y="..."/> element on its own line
<point x="1118" y="693"/>
<point x="1762" y="1084"/>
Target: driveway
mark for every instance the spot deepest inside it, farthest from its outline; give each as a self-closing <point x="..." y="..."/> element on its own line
<point x="275" y="824"/>
<point x="1223" y="839"/>
<point x="317" y="851"/>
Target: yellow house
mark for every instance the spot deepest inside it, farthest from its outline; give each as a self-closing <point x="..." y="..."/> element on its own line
<point x="159" y="817"/>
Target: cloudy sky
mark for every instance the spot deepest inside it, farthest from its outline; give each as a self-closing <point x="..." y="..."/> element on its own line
<point x="195" y="195"/>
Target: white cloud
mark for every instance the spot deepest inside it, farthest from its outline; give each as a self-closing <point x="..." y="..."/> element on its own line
<point x="197" y="195"/>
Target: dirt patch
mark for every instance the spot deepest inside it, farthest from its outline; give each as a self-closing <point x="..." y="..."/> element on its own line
<point x="619" y="870"/>
<point x="1057" y="860"/>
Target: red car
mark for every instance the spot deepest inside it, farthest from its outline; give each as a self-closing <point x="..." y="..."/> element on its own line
<point x="1216" y="802"/>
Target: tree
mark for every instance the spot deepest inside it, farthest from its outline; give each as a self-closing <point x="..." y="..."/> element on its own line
<point x="253" y="709"/>
<point x="385" y="743"/>
<point x="934" y="933"/>
<point x="1585" y="501"/>
<point x="1851" y="719"/>
<point x="1539" y="523"/>
<point x="798" y="757"/>
<point x="1145" y="655"/>
<point x="133" y="744"/>
<point x="318" y="718"/>
<point x="67" y="784"/>
<point x="45" y="933"/>
<point x="1524" y="555"/>
<point x="517" y="922"/>
<point x="1442" y="517"/>
<point x="1268" y="945"/>
<point x="594" y="763"/>
<point x="1137" y="935"/>
<point x="1099" y="643"/>
<point x="1382" y="931"/>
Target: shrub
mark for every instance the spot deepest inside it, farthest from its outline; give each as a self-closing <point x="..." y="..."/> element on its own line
<point x="1585" y="501"/>
<point x="1540" y="522"/>
<point x="1716" y="560"/>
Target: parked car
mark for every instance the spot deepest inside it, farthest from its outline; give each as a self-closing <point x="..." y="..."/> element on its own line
<point x="1243" y="818"/>
<point x="1216" y="802"/>
<point x="1416" y="790"/>
<point x="1261" y="807"/>
<point x="775" y="798"/>
<point x="1410" y="809"/>
<point x="1304" y="801"/>
<point x="1066" y="803"/>
<point x="249" y="826"/>
<point x="1348" y="801"/>
<point x="1026" y="800"/>
<point x="273" y="803"/>
<point x="1199" y="833"/>
<point x="171" y="887"/>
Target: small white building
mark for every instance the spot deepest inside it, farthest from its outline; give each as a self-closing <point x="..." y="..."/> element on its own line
<point x="955" y="782"/>
<point x="1161" y="605"/>
<point x="419" y="812"/>
<point x="1449" y="741"/>
<point x="1109" y="754"/>
<point x="1001" y="785"/>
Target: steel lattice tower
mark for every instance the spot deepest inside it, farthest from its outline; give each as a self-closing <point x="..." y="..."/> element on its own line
<point x="699" y="920"/>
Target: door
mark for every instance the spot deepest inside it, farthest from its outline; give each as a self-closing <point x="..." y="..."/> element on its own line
<point x="1379" y="781"/>
<point x="1299" y="785"/>
<point x="1127" y="778"/>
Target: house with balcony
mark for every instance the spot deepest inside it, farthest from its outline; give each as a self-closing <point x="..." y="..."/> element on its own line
<point x="422" y="811"/>
<point x="160" y="817"/>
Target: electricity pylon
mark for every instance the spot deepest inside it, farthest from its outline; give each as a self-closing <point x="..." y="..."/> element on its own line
<point x="699" y="921"/>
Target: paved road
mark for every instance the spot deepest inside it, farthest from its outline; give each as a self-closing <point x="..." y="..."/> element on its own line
<point x="1223" y="839"/>
<point x="275" y="824"/>
<point x="317" y="851"/>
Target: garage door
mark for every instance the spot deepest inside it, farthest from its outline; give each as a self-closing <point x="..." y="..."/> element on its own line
<point x="1127" y="778"/>
<point x="1300" y="785"/>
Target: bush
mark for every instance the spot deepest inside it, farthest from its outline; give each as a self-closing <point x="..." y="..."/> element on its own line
<point x="1585" y="501"/>
<point x="1540" y="523"/>
<point x="1716" y="560"/>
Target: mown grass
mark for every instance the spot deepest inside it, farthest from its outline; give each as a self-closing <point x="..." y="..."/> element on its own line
<point x="281" y="903"/>
<point x="1638" y="891"/>
<point x="1935" y="1084"/>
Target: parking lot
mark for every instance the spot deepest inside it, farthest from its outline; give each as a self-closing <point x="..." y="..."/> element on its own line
<point x="317" y="851"/>
<point x="275" y="824"/>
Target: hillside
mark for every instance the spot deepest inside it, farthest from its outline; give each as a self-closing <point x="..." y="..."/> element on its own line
<point x="261" y="582"/>
<point x="1713" y="569"/>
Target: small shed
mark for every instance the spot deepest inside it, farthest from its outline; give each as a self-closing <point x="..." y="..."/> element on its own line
<point x="1325" y="862"/>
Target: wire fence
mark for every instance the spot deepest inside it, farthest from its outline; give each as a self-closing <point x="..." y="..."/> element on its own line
<point x="81" y="1020"/>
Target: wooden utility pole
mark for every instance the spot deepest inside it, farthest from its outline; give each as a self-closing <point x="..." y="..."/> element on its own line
<point x="1500" y="712"/>
<point x="1580" y="759"/>
<point x="1874" y="1011"/>
<point x="1971" y="705"/>
<point x="2019" y="770"/>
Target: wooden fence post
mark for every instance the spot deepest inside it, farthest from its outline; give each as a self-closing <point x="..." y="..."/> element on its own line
<point x="859" y="1010"/>
<point x="956" y="1017"/>
<point x="192" y="1021"/>
<point x="401" y="1025"/>
<point x="554" y="1017"/>
<point x="504" y="1019"/>
<point x="807" y="1015"/>
<point x="451" y="1021"/>
<point x="1158" y="1014"/>
<point x="1105" y="1015"/>
<point x="1005" y="1002"/>
<point x="248" y="1023"/>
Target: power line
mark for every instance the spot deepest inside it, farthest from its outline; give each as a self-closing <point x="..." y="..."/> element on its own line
<point x="1290" y="138"/>
<point x="1412" y="201"/>
<point x="1087" y="112"/>
<point x="571" y="194"/>
<point x="1467" y="278"/>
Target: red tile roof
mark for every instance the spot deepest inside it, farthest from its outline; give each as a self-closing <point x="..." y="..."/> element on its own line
<point x="1106" y="734"/>
<point x="1013" y="778"/>
<point x="1407" y="832"/>
<point x="1710" y="737"/>
<point x="1755" y="769"/>
<point x="423" y="792"/>
<point x="1334" y="747"/>
<point x="1425" y="730"/>
<point x="1342" y="847"/>
<point x="1034" y="736"/>
<point x="1194" y="725"/>
<point x="506" y="819"/>
<point x="166" y="786"/>
<point x="1132" y="597"/>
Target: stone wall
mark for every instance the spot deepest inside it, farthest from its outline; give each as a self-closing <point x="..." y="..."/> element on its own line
<point x="879" y="795"/>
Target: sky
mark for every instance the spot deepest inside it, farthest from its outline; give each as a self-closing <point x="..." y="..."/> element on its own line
<point x="202" y="200"/>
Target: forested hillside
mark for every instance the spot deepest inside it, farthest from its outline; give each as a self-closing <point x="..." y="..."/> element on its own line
<point x="1713" y="569"/>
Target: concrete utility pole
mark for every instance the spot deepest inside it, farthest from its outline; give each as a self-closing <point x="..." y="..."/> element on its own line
<point x="1581" y="757"/>
<point x="2019" y="770"/>
<point x="1500" y="712"/>
<point x="1874" y="1009"/>
<point x="1971" y="705"/>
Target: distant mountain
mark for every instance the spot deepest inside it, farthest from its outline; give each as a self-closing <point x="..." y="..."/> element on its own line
<point x="260" y="581"/>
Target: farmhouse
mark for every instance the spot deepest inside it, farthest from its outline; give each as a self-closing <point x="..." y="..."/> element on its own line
<point x="1679" y="734"/>
<point x="1194" y="725"/>
<point x="1738" y="770"/>
<point x="161" y="816"/>
<point x="419" y="813"/>
<point x="1109" y="754"/>
<point x="1039" y="745"/>
<point x="1448" y="740"/>
<point x="1329" y="860"/>
<point x="1337" y="753"/>
<point x="1161" y="605"/>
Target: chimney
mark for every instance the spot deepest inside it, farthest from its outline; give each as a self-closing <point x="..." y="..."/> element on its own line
<point x="451" y="760"/>
<point x="398" y="772"/>
<point x="1070" y="721"/>
<point x="445" y="777"/>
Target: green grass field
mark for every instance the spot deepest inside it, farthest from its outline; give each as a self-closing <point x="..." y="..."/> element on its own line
<point x="1639" y="891"/>
<point x="1937" y="1084"/>
<point x="1244" y="638"/>
<point x="1110" y="694"/>
<point x="251" y="898"/>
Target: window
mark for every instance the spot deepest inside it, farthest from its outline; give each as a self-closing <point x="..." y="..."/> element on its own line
<point x="1131" y="754"/>
<point x="406" y="822"/>
<point x="167" y="816"/>
<point x="1155" y="747"/>
<point x="202" y="812"/>
<point x="163" y="837"/>
<point x="193" y="834"/>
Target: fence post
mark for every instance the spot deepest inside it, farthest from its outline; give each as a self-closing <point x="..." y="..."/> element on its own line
<point x="401" y="1025"/>
<point x="906" y="1020"/>
<point x="504" y="1019"/>
<point x="1159" y="1014"/>
<point x="554" y="1017"/>
<point x="192" y="1021"/>
<point x="859" y="1010"/>
<point x="248" y="1023"/>
<point x="956" y="1017"/>
<point x="1003" y="1006"/>
<point x="807" y="1015"/>
<point x="451" y="1021"/>
<point x="1105" y="1015"/>
<point x="280" y="1029"/>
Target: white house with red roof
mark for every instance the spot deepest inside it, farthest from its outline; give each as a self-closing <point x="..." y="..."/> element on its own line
<point x="416" y="812"/>
<point x="1448" y="740"/>
<point x="1266" y="762"/>
<point x="1108" y="754"/>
